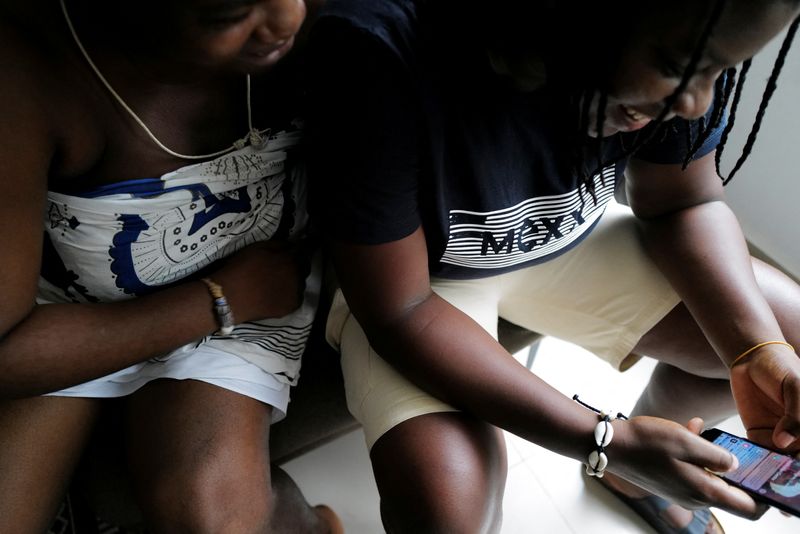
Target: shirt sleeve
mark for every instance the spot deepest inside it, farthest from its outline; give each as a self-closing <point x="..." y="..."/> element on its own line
<point x="672" y="145"/>
<point x="364" y="131"/>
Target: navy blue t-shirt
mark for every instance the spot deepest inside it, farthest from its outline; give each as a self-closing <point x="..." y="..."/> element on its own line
<point x="410" y="127"/>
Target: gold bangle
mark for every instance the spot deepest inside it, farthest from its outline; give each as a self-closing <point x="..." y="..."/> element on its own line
<point x="746" y="353"/>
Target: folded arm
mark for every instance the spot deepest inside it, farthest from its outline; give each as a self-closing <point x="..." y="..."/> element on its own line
<point x="49" y="347"/>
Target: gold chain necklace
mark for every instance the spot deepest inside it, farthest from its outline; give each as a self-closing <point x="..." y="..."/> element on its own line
<point x="254" y="136"/>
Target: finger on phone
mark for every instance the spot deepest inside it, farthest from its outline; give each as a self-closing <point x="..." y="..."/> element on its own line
<point x="787" y="431"/>
<point x="762" y="436"/>
<point x="695" y="425"/>
<point x="731" y="499"/>
<point x="705" y="454"/>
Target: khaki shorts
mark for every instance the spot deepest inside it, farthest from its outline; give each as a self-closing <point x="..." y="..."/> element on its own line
<point x="603" y="295"/>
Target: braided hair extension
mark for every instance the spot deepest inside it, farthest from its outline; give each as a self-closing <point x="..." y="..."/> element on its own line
<point x="727" y="85"/>
<point x="732" y="119"/>
<point x="689" y="133"/>
<point x="587" y="154"/>
<point x="586" y="147"/>
<point x="772" y="84"/>
<point x="641" y="140"/>
<point x="581" y="168"/>
<point x="722" y="93"/>
<point x="730" y="83"/>
<point x="601" y="118"/>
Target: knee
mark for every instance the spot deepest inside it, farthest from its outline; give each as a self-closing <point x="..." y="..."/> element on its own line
<point x="448" y="515"/>
<point x="441" y="473"/>
<point x="209" y="500"/>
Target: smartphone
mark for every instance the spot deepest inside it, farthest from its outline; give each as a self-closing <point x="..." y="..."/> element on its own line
<point x="769" y="476"/>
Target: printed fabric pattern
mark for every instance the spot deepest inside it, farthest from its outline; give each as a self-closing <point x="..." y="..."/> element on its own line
<point x="132" y="238"/>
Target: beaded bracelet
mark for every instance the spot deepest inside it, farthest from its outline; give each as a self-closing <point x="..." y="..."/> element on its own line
<point x="603" y="434"/>
<point x="221" y="307"/>
<point x="749" y="351"/>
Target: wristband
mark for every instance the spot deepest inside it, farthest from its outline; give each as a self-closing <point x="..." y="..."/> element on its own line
<point x="603" y="433"/>
<point x="221" y="308"/>
<point x="597" y="460"/>
<point x="749" y="351"/>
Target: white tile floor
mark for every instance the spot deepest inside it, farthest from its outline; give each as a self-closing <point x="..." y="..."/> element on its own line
<point x="545" y="493"/>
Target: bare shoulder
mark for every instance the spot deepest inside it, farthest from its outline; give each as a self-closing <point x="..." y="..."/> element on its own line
<point x="23" y="92"/>
<point x="39" y="100"/>
<point x="24" y="65"/>
<point x="29" y="143"/>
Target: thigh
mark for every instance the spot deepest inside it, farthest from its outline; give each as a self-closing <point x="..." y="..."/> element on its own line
<point x="443" y="472"/>
<point x="196" y="449"/>
<point x="41" y="439"/>
<point x="603" y="295"/>
<point x="678" y="340"/>
<point x="477" y="298"/>
<point x="377" y="395"/>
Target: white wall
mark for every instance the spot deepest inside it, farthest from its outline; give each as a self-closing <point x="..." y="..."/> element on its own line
<point x="765" y="194"/>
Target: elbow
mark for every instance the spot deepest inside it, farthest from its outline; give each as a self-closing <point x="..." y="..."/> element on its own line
<point x="11" y="388"/>
<point x="19" y="376"/>
<point x="386" y="328"/>
<point x="386" y="321"/>
<point x="15" y="387"/>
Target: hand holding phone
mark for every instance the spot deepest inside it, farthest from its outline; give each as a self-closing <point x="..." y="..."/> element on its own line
<point x="770" y="477"/>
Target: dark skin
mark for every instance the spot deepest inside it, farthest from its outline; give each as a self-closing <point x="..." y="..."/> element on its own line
<point x="691" y="235"/>
<point x="105" y="149"/>
<point x="62" y="131"/>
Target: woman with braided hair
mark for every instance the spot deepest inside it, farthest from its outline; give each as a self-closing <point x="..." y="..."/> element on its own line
<point x="465" y="158"/>
<point x="153" y="222"/>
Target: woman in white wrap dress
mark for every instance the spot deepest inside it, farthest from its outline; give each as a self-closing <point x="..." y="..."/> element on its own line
<point x="155" y="143"/>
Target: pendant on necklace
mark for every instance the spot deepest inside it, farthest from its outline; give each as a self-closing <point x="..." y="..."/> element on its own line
<point x="255" y="138"/>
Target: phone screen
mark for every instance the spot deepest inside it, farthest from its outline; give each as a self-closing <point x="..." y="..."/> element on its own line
<point x="772" y="476"/>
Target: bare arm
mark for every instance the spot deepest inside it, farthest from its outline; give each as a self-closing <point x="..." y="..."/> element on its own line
<point x="57" y="345"/>
<point x="696" y="241"/>
<point x="49" y="347"/>
<point x="446" y="352"/>
<point x="431" y="342"/>
<point x="439" y="348"/>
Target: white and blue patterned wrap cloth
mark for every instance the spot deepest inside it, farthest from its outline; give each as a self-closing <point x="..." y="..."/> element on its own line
<point x="131" y="238"/>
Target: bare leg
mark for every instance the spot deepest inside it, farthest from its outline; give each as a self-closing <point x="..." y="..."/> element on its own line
<point x="691" y="381"/>
<point x="443" y="472"/>
<point x="669" y="385"/>
<point x="41" y="439"/>
<point x="200" y="458"/>
<point x="679" y="342"/>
